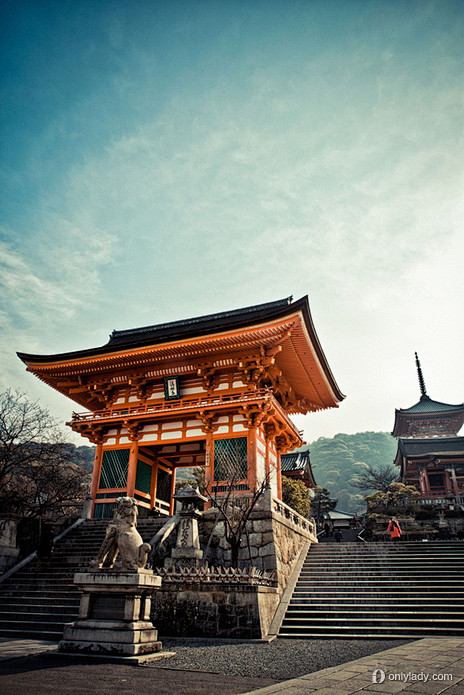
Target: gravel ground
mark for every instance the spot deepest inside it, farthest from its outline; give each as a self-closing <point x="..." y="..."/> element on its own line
<point x="280" y="660"/>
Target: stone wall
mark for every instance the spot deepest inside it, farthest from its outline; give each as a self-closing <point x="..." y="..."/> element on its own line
<point x="191" y="609"/>
<point x="273" y="541"/>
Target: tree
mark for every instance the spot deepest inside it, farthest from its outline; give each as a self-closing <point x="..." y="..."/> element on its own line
<point x="321" y="502"/>
<point x="296" y="495"/>
<point x="399" y="499"/>
<point x="38" y="472"/>
<point x="379" y="478"/>
<point x="233" y="508"/>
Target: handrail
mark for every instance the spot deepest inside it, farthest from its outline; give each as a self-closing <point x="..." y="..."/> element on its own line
<point x="33" y="555"/>
<point x="182" y="404"/>
<point x="290" y="514"/>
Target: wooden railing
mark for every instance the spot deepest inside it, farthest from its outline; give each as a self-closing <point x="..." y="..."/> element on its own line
<point x="219" y="401"/>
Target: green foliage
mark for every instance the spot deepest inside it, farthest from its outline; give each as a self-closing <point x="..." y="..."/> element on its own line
<point x="335" y="463"/>
<point x="400" y="499"/>
<point x="296" y="495"/>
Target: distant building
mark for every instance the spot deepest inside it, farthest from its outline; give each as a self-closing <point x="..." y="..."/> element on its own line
<point x="430" y="453"/>
<point x="340" y="519"/>
<point x="297" y="466"/>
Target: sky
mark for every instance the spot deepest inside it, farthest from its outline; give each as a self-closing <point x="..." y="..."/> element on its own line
<point x="164" y="159"/>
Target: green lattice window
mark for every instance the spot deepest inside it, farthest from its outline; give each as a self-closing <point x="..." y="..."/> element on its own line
<point x="105" y="510"/>
<point x="163" y="490"/>
<point x="114" y="468"/>
<point x="230" y="459"/>
<point x="143" y="477"/>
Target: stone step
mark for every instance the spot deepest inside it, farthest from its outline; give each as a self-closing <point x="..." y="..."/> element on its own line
<point x="381" y="562"/>
<point x="33" y="595"/>
<point x="56" y="626"/>
<point x="377" y="572"/>
<point x="380" y="581"/>
<point x="9" y="618"/>
<point x="399" y="594"/>
<point x="371" y="621"/>
<point x="361" y="632"/>
<point x="72" y="606"/>
<point x="309" y="615"/>
<point x="409" y="589"/>
<point x="393" y="602"/>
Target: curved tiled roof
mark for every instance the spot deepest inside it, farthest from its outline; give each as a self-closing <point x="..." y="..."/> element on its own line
<point x="294" y="461"/>
<point x="427" y="405"/>
<point x="283" y="323"/>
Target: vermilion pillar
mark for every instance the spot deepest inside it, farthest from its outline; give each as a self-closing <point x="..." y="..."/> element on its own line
<point x="96" y="474"/>
<point x="132" y="471"/>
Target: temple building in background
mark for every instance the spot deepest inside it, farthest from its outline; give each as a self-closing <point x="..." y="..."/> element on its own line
<point x="214" y="391"/>
<point x="430" y="453"/>
<point x="297" y="466"/>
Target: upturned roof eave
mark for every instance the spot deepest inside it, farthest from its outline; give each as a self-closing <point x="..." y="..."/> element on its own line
<point x="197" y="328"/>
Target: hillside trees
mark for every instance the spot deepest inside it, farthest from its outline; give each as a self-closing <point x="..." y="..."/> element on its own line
<point x="38" y="472"/>
<point x="336" y="464"/>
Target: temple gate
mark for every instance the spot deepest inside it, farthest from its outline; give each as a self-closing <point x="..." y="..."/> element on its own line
<point x="214" y="391"/>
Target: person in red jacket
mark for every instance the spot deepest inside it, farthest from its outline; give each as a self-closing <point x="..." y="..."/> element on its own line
<point x="394" y="529"/>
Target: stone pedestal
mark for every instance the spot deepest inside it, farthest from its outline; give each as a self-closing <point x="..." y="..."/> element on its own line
<point x="114" y="614"/>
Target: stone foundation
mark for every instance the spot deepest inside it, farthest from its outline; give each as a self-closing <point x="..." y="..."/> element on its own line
<point x="274" y="541"/>
<point x="216" y="610"/>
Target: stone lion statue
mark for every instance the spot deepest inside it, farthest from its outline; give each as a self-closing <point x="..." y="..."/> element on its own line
<point x="123" y="538"/>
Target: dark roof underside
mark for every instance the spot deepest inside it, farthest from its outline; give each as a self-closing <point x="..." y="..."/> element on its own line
<point x="439" y="445"/>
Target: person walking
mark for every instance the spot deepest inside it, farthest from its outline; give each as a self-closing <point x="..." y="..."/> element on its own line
<point x="394" y="529"/>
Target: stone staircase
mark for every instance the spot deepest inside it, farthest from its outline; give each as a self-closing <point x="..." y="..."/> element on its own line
<point x="378" y="590"/>
<point x="38" y="604"/>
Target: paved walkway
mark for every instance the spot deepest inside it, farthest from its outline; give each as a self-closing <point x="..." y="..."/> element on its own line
<point x="14" y="648"/>
<point x="425" y="667"/>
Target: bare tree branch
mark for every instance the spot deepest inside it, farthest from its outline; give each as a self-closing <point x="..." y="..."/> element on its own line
<point x="379" y="478"/>
<point x="38" y="471"/>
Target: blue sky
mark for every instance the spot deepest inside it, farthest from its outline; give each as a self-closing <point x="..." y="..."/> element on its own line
<point x="161" y="160"/>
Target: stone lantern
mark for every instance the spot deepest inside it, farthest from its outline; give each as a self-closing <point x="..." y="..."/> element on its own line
<point x="187" y="552"/>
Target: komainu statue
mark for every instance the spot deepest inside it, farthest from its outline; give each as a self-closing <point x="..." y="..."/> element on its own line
<point x="122" y="537"/>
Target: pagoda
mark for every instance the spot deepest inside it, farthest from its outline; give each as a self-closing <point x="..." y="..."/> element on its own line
<point x="430" y="453"/>
<point x="214" y="391"/>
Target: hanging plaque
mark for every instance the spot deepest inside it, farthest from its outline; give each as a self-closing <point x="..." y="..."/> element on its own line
<point x="171" y="388"/>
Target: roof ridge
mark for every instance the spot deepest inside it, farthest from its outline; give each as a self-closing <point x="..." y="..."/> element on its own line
<point x="116" y="334"/>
